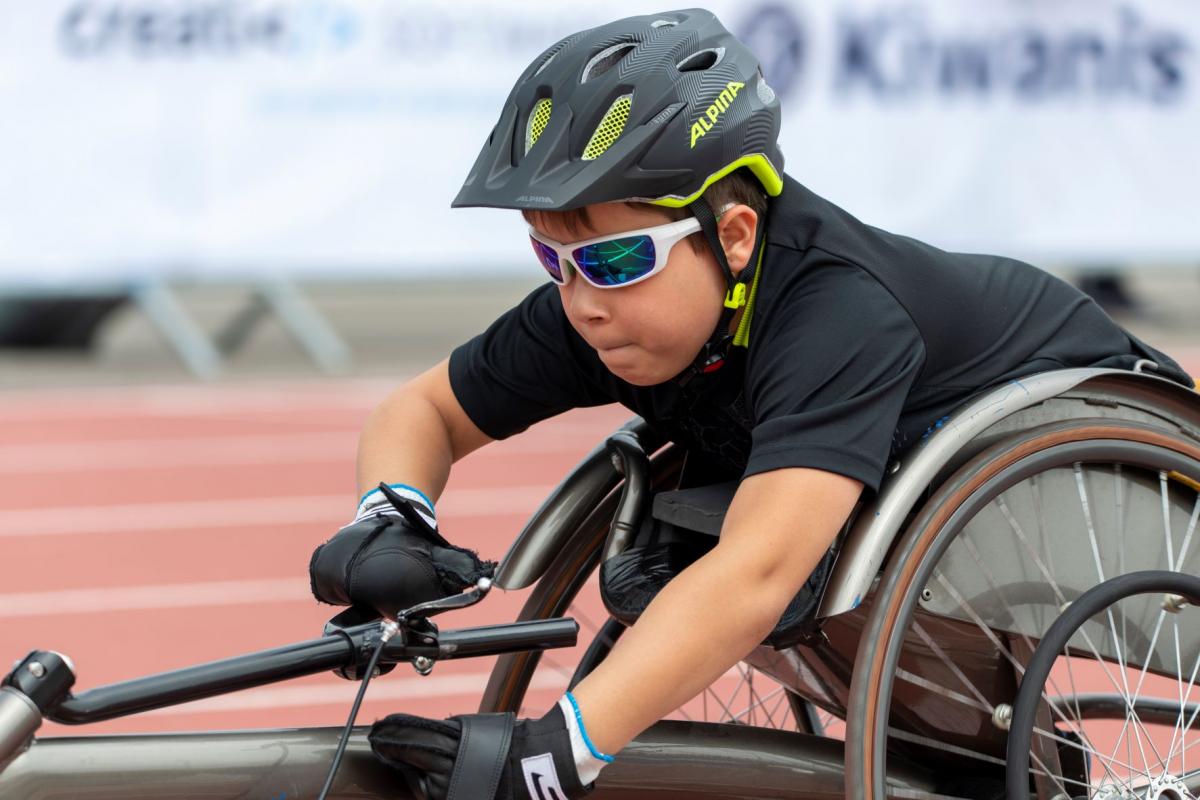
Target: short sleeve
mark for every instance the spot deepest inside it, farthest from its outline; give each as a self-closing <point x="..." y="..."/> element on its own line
<point x="527" y="366"/>
<point x="829" y="373"/>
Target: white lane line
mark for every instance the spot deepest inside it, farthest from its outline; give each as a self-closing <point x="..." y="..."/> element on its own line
<point x="203" y="404"/>
<point x="256" y="449"/>
<point x="192" y="399"/>
<point x="194" y="451"/>
<point x="204" y="594"/>
<point x="186" y="515"/>
<point x="142" y="598"/>
<point x="342" y="692"/>
<point x="265" y="399"/>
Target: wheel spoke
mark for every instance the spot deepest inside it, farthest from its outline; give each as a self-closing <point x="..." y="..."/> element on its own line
<point x="1029" y="549"/>
<point x="969" y="544"/>
<point x="726" y="710"/>
<point x="750" y="687"/>
<point x="1166" y="515"/>
<point x="1191" y="529"/>
<point x="916" y="738"/>
<point x="779" y="703"/>
<point x="1182" y="708"/>
<point x="1004" y="651"/>
<point x="741" y="682"/>
<point x="1176" y="729"/>
<point x="958" y="697"/>
<point x="1132" y="702"/>
<point x="1060" y="739"/>
<point x="981" y="701"/>
<point x="761" y="702"/>
<point x="1091" y="529"/>
<point x="1060" y="780"/>
<point x="1074" y="691"/>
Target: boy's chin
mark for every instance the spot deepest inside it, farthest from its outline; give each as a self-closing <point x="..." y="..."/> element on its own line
<point x="636" y="374"/>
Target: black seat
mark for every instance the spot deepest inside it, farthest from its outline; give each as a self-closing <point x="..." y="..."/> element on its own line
<point x="683" y="525"/>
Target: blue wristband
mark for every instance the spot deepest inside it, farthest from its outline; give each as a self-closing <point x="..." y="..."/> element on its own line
<point x="412" y="489"/>
<point x="582" y="730"/>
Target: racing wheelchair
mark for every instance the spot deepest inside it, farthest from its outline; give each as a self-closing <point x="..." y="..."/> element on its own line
<point x="897" y="671"/>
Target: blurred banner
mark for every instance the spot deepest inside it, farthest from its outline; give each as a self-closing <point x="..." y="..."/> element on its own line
<point x="326" y="138"/>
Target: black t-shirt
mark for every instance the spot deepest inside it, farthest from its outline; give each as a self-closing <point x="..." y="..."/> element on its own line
<point x="860" y="341"/>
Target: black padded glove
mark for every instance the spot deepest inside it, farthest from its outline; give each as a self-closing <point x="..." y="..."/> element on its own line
<point x="390" y="561"/>
<point x="535" y="763"/>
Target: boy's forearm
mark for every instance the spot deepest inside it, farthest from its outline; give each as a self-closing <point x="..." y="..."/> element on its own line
<point x="720" y="608"/>
<point x="405" y="440"/>
<point x="687" y="638"/>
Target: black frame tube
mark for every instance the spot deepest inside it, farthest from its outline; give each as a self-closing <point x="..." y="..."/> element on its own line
<point x="298" y="659"/>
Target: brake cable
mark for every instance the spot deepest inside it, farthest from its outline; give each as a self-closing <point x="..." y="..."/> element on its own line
<point x="388" y="629"/>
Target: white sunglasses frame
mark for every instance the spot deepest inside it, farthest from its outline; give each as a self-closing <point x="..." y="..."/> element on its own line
<point x="664" y="236"/>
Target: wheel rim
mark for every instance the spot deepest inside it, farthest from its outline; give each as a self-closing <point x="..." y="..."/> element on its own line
<point x="915" y="637"/>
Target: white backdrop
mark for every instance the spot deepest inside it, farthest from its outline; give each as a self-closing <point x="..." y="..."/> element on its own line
<point x="327" y="137"/>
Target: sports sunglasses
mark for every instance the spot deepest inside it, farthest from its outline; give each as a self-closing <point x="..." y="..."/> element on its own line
<point x="610" y="262"/>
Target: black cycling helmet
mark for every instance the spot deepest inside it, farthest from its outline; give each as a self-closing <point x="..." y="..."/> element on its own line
<point x="653" y="108"/>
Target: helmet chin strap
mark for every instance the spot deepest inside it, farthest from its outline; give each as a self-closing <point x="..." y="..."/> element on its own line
<point x="712" y="355"/>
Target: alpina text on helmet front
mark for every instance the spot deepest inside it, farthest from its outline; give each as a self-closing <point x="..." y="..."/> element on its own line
<point x="706" y="122"/>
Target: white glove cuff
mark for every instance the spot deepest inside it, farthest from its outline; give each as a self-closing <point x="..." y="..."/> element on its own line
<point x="375" y="502"/>
<point x="588" y="760"/>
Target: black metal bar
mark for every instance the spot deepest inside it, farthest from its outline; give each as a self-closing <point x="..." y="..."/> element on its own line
<point x="541" y="634"/>
<point x="631" y="461"/>
<point x="567" y="507"/>
<point x="296" y="660"/>
<point x="1115" y="706"/>
<point x="204" y="680"/>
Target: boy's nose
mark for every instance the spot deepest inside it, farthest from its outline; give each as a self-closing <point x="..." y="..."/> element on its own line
<point x="586" y="303"/>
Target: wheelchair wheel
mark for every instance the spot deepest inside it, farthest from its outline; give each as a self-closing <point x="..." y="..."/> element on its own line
<point x="1124" y="757"/>
<point x="528" y="683"/>
<point x="1001" y="547"/>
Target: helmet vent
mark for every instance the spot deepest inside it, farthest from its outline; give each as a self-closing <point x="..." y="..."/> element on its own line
<point x="704" y="59"/>
<point x="537" y="122"/>
<point x="610" y="127"/>
<point x="766" y="95"/>
<point x="663" y="23"/>
<point x="605" y="60"/>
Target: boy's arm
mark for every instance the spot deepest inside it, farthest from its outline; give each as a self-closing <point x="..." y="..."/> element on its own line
<point x="717" y="610"/>
<point x="416" y="434"/>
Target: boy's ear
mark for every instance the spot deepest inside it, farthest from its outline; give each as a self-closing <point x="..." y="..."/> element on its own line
<point x="736" y="230"/>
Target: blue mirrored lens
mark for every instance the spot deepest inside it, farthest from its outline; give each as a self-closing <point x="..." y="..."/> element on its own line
<point x="616" y="261"/>
<point x="549" y="259"/>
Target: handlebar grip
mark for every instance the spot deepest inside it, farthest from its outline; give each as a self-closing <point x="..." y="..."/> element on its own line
<point x="540" y="634"/>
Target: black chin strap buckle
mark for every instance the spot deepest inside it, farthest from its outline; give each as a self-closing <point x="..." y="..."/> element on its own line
<point x="710" y="359"/>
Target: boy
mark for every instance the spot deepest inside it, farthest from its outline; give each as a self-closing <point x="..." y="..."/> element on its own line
<point x="778" y="338"/>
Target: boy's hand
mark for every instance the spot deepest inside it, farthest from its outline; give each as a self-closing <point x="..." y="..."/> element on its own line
<point x="390" y="559"/>
<point x="536" y="763"/>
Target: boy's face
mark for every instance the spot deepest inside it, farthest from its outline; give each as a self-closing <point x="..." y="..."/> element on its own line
<point x="651" y="331"/>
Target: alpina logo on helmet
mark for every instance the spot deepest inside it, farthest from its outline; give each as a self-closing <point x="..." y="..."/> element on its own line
<point x="534" y="198"/>
<point x="713" y="112"/>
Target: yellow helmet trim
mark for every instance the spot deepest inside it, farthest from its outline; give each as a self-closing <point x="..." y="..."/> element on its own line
<point x="758" y="163"/>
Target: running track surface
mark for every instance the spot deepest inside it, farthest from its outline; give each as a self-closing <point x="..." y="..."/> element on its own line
<point x="148" y="529"/>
